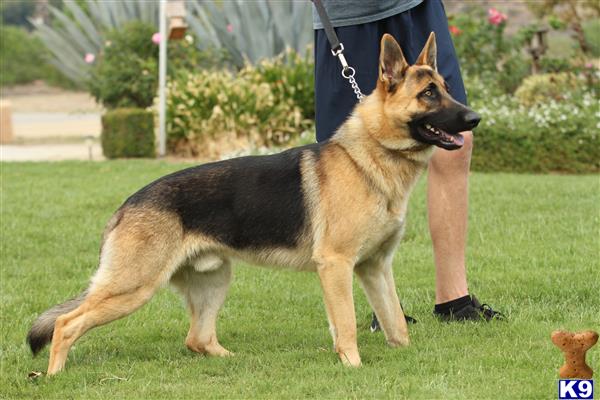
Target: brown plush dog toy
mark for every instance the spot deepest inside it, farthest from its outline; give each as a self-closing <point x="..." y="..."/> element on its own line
<point x="575" y="345"/>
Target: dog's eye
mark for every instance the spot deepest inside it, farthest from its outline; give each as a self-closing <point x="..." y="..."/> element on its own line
<point x="428" y="93"/>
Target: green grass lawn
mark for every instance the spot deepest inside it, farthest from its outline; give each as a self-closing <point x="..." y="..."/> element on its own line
<point x="533" y="254"/>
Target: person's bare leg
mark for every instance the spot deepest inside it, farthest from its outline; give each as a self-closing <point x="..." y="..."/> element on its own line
<point x="447" y="202"/>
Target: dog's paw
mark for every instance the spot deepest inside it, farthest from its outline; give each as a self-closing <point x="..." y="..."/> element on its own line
<point x="218" y="351"/>
<point x="350" y="358"/>
<point x="211" y="349"/>
<point x="399" y="342"/>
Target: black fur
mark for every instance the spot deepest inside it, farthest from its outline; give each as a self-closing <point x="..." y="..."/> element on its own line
<point x="42" y="329"/>
<point x="246" y="202"/>
<point x="423" y="73"/>
<point x="451" y="118"/>
<point x="38" y="342"/>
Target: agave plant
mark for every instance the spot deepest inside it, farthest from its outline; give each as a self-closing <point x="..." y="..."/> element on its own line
<point x="251" y="31"/>
<point x="79" y="33"/>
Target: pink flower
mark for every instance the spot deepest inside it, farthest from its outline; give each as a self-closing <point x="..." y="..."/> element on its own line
<point x="495" y="17"/>
<point x="89" y="58"/>
<point x="589" y="65"/>
<point x="156" y="38"/>
<point x="229" y="28"/>
<point x="455" y="30"/>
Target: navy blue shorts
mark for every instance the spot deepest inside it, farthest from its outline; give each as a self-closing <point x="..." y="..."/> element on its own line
<point x="334" y="98"/>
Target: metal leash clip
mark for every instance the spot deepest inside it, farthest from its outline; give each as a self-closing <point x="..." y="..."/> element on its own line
<point x="348" y="72"/>
<point x="337" y="49"/>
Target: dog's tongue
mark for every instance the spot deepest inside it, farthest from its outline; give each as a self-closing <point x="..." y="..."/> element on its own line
<point x="457" y="139"/>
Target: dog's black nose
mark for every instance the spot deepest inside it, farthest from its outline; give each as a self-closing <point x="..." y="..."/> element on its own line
<point x="472" y="119"/>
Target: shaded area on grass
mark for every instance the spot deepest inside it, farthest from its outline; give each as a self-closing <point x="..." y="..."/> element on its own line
<point x="533" y="254"/>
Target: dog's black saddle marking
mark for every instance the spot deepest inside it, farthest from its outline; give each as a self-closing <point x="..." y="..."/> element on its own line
<point x="246" y="202"/>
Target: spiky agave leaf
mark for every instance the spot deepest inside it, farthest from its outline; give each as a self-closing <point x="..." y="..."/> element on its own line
<point x="86" y="23"/>
<point x="215" y="26"/>
<point x="259" y="29"/>
<point x="293" y="21"/>
<point x="80" y="32"/>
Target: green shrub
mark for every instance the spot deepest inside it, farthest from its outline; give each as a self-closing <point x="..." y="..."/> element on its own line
<point x="20" y="56"/>
<point x="291" y="76"/>
<point x="126" y="74"/>
<point x="484" y="50"/>
<point x="128" y="132"/>
<point x="267" y="105"/>
<point x="184" y="56"/>
<point x="549" y="136"/>
<point x="555" y="64"/>
<point x="80" y="27"/>
<point x="23" y="59"/>
<point x="536" y="89"/>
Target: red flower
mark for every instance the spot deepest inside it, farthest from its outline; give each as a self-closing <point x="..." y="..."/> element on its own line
<point x="455" y="30"/>
<point x="495" y="17"/>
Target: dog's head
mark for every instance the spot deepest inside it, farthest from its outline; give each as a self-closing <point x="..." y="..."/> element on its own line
<point x="416" y="101"/>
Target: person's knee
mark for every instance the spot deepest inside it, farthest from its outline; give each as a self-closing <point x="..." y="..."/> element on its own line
<point x="454" y="161"/>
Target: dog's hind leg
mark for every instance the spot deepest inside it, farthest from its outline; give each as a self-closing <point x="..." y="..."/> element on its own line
<point x="135" y="261"/>
<point x="205" y="293"/>
<point x="100" y="307"/>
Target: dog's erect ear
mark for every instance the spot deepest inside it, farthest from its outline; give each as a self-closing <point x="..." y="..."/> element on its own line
<point x="428" y="55"/>
<point x="392" y="64"/>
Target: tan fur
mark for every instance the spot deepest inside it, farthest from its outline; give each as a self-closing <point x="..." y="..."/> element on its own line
<point x="356" y="194"/>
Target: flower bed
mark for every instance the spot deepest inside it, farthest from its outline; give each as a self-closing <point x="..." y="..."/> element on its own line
<point x="548" y="137"/>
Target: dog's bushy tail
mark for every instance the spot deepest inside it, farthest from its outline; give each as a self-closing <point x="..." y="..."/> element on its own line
<point x="42" y="329"/>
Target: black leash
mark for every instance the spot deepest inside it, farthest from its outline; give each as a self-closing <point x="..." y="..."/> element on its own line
<point x="337" y="48"/>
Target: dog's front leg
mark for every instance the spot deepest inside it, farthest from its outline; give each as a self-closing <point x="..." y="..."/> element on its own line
<point x="377" y="280"/>
<point x="335" y="273"/>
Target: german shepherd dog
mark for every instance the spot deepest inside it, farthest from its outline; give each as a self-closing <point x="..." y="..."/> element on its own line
<point x="335" y="207"/>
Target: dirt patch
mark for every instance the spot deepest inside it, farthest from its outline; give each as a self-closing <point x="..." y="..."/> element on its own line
<point x="46" y="114"/>
<point x="39" y="97"/>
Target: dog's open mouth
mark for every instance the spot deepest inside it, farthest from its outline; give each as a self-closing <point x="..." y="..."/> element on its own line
<point x="441" y="138"/>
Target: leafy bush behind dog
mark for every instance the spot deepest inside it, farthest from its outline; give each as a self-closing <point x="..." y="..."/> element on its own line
<point x="292" y="77"/>
<point x="272" y="103"/>
<point x="267" y="105"/>
<point x="128" y="132"/>
<point x="548" y="136"/>
<point x="537" y="89"/>
<point x="485" y="50"/>
<point x="23" y="59"/>
<point x="125" y="75"/>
